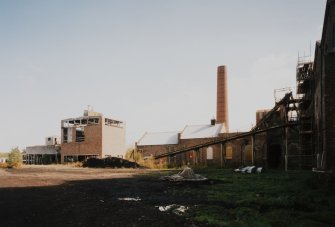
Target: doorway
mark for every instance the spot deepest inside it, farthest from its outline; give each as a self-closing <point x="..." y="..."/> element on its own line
<point x="274" y="156"/>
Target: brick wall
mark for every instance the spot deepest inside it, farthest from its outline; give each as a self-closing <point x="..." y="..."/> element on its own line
<point x="91" y="146"/>
<point x="241" y="152"/>
<point x="330" y="109"/>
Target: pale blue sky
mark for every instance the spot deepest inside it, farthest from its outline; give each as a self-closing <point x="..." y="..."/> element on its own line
<point x="150" y="63"/>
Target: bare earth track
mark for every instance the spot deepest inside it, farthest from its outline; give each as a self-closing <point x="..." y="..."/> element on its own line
<point x="68" y="196"/>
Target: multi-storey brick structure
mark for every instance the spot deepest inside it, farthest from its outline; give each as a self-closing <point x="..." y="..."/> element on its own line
<point x="320" y="95"/>
<point x="91" y="135"/>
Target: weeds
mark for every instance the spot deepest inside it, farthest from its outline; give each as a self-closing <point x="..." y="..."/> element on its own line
<point x="274" y="198"/>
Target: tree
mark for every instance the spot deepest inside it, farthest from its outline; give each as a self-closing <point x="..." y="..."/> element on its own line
<point x="15" y="157"/>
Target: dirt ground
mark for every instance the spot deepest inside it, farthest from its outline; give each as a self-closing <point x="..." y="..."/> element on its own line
<point x="68" y="196"/>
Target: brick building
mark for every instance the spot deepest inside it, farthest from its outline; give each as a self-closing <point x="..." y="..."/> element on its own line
<point x="212" y="144"/>
<point x="304" y="141"/>
<point x="317" y="83"/>
<point x="234" y="153"/>
<point x="91" y="135"/>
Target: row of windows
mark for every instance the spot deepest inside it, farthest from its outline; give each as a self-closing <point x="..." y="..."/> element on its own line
<point x="229" y="153"/>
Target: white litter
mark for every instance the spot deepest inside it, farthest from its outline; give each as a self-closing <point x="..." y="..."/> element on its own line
<point x="130" y="199"/>
<point x="177" y="209"/>
<point x="249" y="169"/>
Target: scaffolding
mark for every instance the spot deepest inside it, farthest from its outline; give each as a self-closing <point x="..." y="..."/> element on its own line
<point x="304" y="79"/>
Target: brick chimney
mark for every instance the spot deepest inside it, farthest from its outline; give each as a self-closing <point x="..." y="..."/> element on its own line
<point x="222" y="97"/>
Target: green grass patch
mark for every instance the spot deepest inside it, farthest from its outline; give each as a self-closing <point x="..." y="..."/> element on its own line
<point x="273" y="198"/>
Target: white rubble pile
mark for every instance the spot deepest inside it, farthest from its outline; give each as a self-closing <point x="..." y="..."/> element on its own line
<point x="186" y="175"/>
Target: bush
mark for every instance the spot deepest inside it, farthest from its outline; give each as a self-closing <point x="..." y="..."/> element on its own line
<point x="133" y="155"/>
<point x="14" y="158"/>
<point x="110" y="162"/>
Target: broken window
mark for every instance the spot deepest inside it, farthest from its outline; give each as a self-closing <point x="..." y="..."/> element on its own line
<point x="80" y="136"/>
<point x="111" y="122"/>
<point x="209" y="153"/>
<point x="229" y="152"/>
<point x="93" y="121"/>
<point x="65" y="135"/>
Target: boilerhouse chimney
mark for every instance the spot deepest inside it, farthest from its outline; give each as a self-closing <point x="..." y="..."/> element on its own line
<point x="222" y="97"/>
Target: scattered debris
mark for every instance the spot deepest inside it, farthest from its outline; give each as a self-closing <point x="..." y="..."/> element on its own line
<point x="186" y="175"/>
<point x="109" y="162"/>
<point x="130" y="199"/>
<point x="177" y="209"/>
<point x="259" y="170"/>
<point x="249" y="169"/>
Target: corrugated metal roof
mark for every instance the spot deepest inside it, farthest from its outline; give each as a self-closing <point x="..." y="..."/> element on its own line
<point x="158" y="138"/>
<point x="41" y="150"/>
<point x="201" y="131"/>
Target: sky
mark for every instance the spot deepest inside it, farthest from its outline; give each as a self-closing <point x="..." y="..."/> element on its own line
<point x="150" y="63"/>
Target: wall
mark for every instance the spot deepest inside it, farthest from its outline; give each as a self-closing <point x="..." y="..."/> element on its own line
<point x="329" y="71"/>
<point x="317" y="105"/>
<point x="113" y="141"/>
<point x="91" y="146"/>
<point x="324" y="93"/>
<point x="241" y="152"/>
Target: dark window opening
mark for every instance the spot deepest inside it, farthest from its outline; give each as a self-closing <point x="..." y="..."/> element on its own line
<point x="69" y="159"/>
<point x="65" y="135"/>
<point x="80" y="136"/>
<point x="274" y="156"/>
<point x="93" y="121"/>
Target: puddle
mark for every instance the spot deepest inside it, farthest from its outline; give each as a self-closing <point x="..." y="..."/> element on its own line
<point x="177" y="209"/>
<point x="130" y="199"/>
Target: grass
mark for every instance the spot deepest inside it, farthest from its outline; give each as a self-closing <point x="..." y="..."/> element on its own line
<point x="273" y="198"/>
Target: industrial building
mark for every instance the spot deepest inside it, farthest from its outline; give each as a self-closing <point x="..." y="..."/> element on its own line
<point x="316" y="83"/>
<point x="213" y="145"/>
<point x="299" y="132"/>
<point x="91" y="135"/>
<point x="233" y="153"/>
<point x="43" y="154"/>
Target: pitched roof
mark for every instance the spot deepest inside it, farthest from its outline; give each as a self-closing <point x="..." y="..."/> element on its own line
<point x="201" y="131"/>
<point x="158" y="138"/>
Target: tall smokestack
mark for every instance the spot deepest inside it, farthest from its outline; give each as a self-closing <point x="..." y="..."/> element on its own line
<point x="222" y="97"/>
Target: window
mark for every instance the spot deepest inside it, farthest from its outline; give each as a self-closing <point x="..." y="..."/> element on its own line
<point x="209" y="153"/>
<point x="80" y="136"/>
<point x="229" y="152"/>
<point x="65" y="135"/>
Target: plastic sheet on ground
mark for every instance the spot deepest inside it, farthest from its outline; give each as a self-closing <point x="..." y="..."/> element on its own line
<point x="249" y="169"/>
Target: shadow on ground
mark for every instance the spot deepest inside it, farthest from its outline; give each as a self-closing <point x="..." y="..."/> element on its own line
<point x="93" y="203"/>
